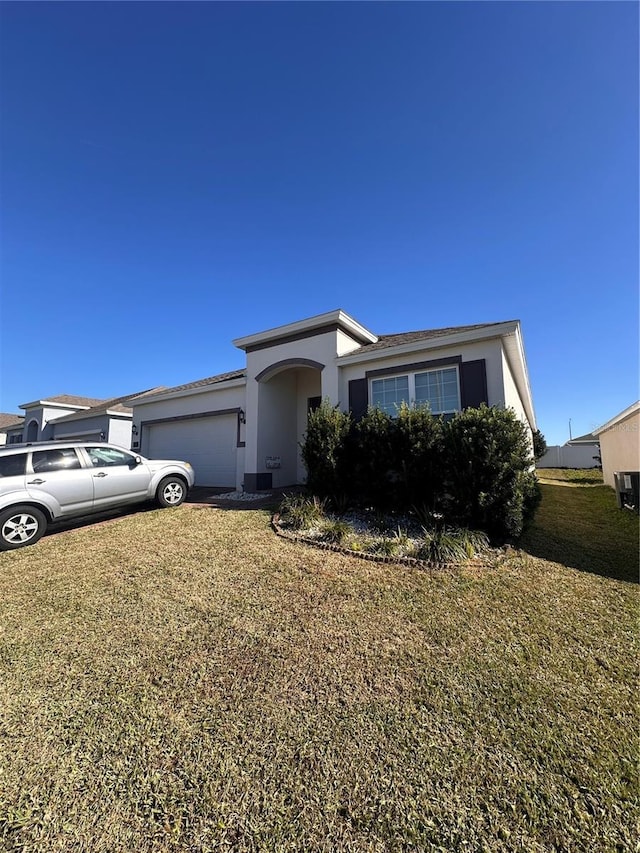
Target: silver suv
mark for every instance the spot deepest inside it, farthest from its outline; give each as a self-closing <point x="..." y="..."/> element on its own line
<point x="50" y="481"/>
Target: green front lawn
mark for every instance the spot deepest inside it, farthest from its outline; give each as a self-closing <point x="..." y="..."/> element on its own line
<point x="184" y="680"/>
<point x="579" y="524"/>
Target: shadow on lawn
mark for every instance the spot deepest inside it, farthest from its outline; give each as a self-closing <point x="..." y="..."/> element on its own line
<point x="198" y="496"/>
<point x="582" y="528"/>
<point x="96" y="518"/>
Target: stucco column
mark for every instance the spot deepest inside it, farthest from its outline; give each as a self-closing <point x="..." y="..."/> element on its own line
<point x="251" y="429"/>
<point x="330" y="385"/>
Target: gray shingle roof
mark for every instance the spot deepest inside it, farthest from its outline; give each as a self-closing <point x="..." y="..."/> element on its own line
<point x="387" y="341"/>
<point x="115" y="404"/>
<point x="210" y="380"/>
<point x="70" y="400"/>
<point x="587" y="438"/>
<point x="7" y="420"/>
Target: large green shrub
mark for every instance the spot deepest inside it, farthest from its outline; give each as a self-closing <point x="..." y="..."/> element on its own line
<point x="475" y="468"/>
<point x="370" y="459"/>
<point x="323" y="449"/>
<point x="417" y="440"/>
<point x="395" y="462"/>
<point x="488" y="482"/>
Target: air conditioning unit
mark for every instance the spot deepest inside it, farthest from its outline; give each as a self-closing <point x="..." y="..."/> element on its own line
<point x="628" y="489"/>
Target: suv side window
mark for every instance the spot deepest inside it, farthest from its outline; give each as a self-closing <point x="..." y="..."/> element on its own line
<point x="13" y="465"/>
<point x="104" y="457"/>
<point x="64" y="459"/>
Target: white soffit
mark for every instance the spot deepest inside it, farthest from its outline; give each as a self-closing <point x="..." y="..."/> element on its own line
<point x="514" y="350"/>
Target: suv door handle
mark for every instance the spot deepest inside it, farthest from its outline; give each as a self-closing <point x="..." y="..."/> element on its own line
<point x="37" y="482"/>
<point x="101" y="474"/>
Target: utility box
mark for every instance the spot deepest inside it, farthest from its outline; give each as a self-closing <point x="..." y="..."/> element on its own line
<point x="628" y="489"/>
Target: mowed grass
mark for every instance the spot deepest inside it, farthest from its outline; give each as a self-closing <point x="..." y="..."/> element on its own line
<point x="577" y="476"/>
<point x="184" y="680"/>
<point x="579" y="524"/>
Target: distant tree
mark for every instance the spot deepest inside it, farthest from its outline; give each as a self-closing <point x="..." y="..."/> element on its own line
<point x="598" y="458"/>
<point x="539" y="445"/>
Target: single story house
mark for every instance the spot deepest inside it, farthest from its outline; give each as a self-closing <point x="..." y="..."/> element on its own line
<point x="39" y="414"/>
<point x="10" y="426"/>
<point x="67" y="417"/>
<point x="243" y="429"/>
<point x="619" y="443"/>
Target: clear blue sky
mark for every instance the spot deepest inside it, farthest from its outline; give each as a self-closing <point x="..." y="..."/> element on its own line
<point x="177" y="175"/>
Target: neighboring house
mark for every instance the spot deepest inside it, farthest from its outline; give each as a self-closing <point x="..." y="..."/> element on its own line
<point x="68" y="418"/>
<point x="40" y="414"/>
<point x="586" y="440"/>
<point x="581" y="452"/>
<point x="10" y="426"/>
<point x="110" y="420"/>
<point x="243" y="429"/>
<point x="619" y="444"/>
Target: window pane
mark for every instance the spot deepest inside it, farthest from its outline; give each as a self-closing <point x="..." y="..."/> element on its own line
<point x="13" y="466"/>
<point x="438" y="388"/>
<point x="388" y="394"/>
<point x="54" y="460"/>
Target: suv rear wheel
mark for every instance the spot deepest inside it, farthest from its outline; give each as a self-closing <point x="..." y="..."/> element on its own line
<point x="21" y="525"/>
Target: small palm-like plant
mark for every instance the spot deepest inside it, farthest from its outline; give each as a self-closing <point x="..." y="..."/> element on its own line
<point x="302" y="511"/>
<point x="336" y="532"/>
<point x="385" y="546"/>
<point x="451" y="544"/>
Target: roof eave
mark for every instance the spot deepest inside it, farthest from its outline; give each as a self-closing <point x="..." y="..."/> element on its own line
<point x="630" y="410"/>
<point x="493" y="331"/>
<point x="188" y="392"/>
<point x="73" y="406"/>
<point x="518" y="364"/>
<point x="343" y="320"/>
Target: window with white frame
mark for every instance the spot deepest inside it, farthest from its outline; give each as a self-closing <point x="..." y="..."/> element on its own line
<point x="438" y="388"/>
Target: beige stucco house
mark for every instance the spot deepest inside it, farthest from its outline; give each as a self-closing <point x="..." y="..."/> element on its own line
<point x="243" y="429"/>
<point x="620" y="443"/>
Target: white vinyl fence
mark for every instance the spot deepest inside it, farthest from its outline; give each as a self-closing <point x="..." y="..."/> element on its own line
<point x="569" y="456"/>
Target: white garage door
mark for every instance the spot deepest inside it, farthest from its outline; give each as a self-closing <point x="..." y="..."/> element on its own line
<point x="209" y="444"/>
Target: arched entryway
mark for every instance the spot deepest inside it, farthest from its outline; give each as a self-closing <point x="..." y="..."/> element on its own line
<point x="286" y="392"/>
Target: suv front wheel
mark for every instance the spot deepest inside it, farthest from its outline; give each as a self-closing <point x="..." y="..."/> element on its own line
<point x="171" y="492"/>
<point x="21" y="525"/>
